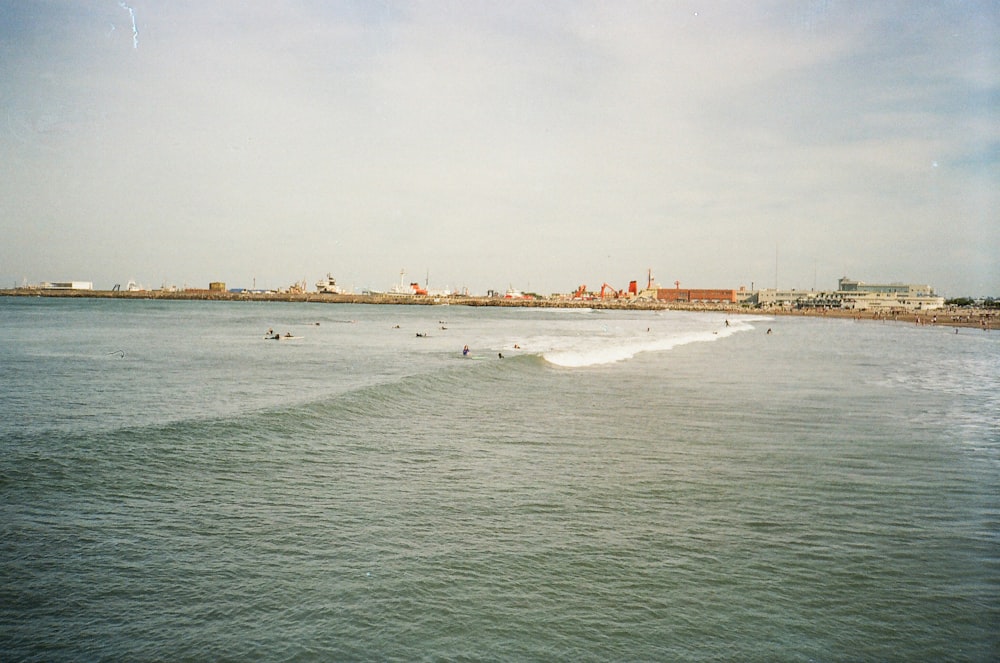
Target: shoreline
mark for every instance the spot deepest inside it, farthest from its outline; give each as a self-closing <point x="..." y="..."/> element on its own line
<point x="985" y="319"/>
<point x="978" y="318"/>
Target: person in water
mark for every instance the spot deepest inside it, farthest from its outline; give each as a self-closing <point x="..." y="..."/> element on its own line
<point x="465" y="351"/>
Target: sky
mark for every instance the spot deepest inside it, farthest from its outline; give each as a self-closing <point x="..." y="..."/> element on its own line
<point x="483" y="145"/>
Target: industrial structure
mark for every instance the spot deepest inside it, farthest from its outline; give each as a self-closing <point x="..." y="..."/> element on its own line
<point x="850" y="294"/>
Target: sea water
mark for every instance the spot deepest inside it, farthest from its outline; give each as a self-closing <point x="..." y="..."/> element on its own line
<point x="616" y="486"/>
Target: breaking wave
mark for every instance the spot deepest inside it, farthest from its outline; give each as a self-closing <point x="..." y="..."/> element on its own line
<point x="611" y="347"/>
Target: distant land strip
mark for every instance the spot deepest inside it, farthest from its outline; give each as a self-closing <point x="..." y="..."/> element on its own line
<point x="328" y="298"/>
<point x="986" y="319"/>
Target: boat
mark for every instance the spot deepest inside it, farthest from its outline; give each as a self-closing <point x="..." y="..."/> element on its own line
<point x="329" y="286"/>
<point x="513" y="293"/>
<point x="412" y="289"/>
<point x="400" y="289"/>
<point x="282" y="337"/>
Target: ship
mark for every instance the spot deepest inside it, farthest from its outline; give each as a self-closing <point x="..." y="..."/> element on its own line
<point x="329" y="286"/>
<point x="514" y="293"/>
<point x="400" y="288"/>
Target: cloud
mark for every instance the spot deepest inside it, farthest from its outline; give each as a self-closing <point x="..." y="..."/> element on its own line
<point x="572" y="142"/>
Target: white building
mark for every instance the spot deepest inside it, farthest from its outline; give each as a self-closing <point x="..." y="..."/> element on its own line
<point x="67" y="285"/>
<point x="856" y="295"/>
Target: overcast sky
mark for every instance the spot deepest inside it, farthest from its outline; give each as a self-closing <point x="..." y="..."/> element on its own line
<point x="542" y="145"/>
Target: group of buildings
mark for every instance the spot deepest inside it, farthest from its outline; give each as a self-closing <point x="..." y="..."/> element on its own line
<point x="853" y="295"/>
<point x="850" y="295"/>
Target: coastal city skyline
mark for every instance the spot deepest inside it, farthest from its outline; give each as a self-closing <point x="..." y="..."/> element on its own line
<point x="482" y="146"/>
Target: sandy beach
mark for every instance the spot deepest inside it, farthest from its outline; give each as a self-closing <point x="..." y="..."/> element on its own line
<point x="947" y="317"/>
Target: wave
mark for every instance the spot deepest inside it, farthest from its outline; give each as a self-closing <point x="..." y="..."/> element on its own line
<point x="569" y="310"/>
<point x="589" y="340"/>
<point x="613" y="348"/>
<point x="350" y="412"/>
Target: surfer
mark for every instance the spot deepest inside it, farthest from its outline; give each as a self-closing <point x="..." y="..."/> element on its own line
<point x="499" y="355"/>
<point x="465" y="351"/>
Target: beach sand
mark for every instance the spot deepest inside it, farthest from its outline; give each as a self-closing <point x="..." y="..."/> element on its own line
<point x="946" y="317"/>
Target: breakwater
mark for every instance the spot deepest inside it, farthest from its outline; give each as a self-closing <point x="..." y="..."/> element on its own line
<point x="986" y="319"/>
<point x="324" y="298"/>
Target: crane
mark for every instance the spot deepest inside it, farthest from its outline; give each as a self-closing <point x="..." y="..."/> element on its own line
<point x="605" y="288"/>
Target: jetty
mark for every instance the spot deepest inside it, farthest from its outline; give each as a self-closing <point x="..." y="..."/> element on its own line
<point x="985" y="319"/>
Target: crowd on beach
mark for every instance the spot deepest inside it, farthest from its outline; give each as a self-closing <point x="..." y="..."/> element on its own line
<point x="985" y="319"/>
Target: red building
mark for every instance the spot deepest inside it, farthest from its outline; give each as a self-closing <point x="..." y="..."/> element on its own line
<point x="687" y="295"/>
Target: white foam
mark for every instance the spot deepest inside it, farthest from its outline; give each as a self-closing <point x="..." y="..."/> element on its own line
<point x="613" y="346"/>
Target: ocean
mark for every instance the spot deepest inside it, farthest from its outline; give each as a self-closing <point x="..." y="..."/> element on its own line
<point x="641" y="486"/>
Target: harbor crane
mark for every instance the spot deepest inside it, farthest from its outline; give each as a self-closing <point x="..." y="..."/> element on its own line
<point x="605" y="288"/>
